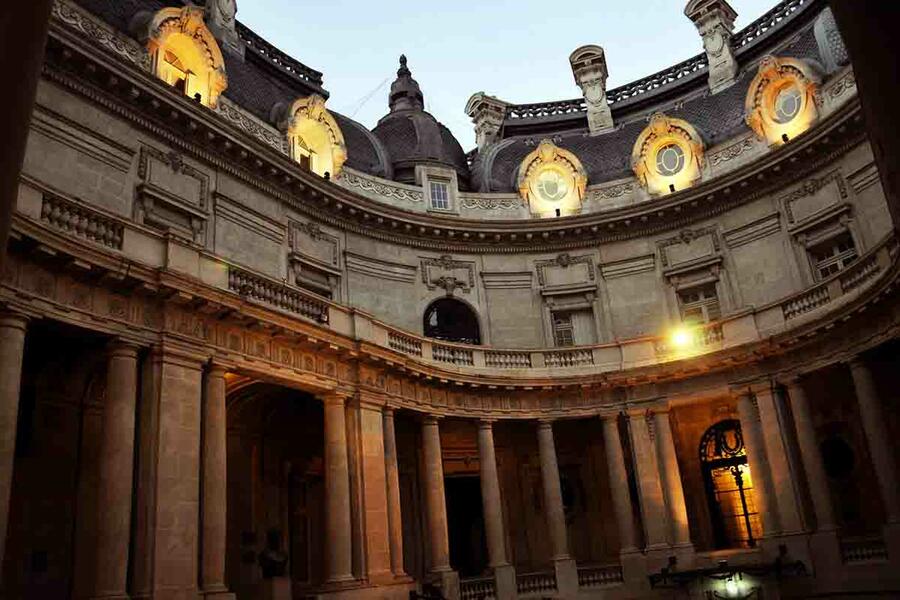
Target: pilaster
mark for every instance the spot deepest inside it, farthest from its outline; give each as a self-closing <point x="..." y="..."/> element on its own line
<point x="12" y="346"/>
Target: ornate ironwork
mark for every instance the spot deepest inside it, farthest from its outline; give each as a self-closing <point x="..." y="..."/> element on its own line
<point x="278" y="58"/>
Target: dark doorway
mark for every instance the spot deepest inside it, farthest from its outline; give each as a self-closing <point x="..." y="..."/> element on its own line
<point x="451" y="320"/>
<point x="465" y="524"/>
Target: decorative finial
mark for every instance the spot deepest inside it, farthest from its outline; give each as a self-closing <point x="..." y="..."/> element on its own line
<point x="403" y="71"/>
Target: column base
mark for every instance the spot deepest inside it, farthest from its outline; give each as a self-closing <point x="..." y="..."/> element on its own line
<point x="505" y="582"/>
<point x="448" y="581"/>
<point x="892" y="543"/>
<point x="276" y="588"/>
<point x="566" y="578"/>
<point x="634" y="573"/>
<point x="825" y="553"/>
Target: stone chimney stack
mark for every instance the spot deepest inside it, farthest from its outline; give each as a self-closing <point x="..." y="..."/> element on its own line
<point x="487" y="113"/>
<point x="715" y="22"/>
<point x="589" y="68"/>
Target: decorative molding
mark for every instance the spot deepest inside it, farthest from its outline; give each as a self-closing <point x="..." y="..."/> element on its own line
<point x="506" y="280"/>
<point x="384" y="189"/>
<point x="757" y="230"/>
<point x="864" y="178"/>
<point x="78" y="137"/>
<point x="810" y="187"/>
<point x="169" y="210"/>
<point x="311" y="230"/>
<point x="82" y="222"/>
<point x="628" y="266"/>
<point x="564" y="261"/>
<point x="238" y="117"/>
<point x="100" y="34"/>
<point x="245" y="217"/>
<point x="443" y="272"/>
<point x="494" y="202"/>
<point x="380" y="269"/>
<point x="686" y="237"/>
<point x="612" y="191"/>
<point x="842" y="85"/>
<point x="731" y="152"/>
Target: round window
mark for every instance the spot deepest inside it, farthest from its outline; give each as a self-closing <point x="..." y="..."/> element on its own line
<point x="787" y="104"/>
<point x="670" y="160"/>
<point x="552" y="186"/>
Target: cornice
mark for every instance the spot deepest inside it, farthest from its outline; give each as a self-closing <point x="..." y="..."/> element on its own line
<point x="133" y="94"/>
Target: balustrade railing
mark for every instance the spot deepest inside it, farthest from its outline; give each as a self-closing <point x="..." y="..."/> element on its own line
<point x="811" y="300"/>
<point x="568" y="358"/>
<point x="859" y="274"/>
<point x="533" y="584"/>
<point x="277" y="57"/>
<point x="701" y="338"/>
<point x="855" y="550"/>
<point x="599" y="575"/>
<point x="82" y="222"/>
<point x="667" y="76"/>
<point x="507" y="360"/>
<point x="454" y="356"/>
<point x="277" y="294"/>
<point x="404" y="343"/>
<point x="481" y="588"/>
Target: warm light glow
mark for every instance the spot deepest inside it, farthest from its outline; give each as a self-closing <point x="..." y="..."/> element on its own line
<point x="731" y="588"/>
<point x="681" y="338"/>
<point x="317" y="142"/>
<point x="667" y="156"/>
<point x="185" y="55"/>
<point x="781" y="101"/>
<point x="552" y="181"/>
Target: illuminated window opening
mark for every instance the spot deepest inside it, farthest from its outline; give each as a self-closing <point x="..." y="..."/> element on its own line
<point x="833" y="255"/>
<point x="573" y="327"/>
<point x="699" y="304"/>
<point x="303" y="155"/>
<point x="729" y="486"/>
<point x="439" y="192"/>
<point x="315" y="139"/>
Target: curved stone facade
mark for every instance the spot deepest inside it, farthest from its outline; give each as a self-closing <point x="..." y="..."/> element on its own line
<point x="221" y="359"/>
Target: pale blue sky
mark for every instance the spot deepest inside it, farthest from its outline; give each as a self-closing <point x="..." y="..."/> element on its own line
<point x="515" y="50"/>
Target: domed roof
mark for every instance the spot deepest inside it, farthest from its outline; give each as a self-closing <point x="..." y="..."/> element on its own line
<point x="413" y="136"/>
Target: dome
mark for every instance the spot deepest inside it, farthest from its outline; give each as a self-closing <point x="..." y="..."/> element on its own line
<point x="412" y="136"/>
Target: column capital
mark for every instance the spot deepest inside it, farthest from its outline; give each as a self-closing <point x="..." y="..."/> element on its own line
<point x="335" y="397"/>
<point x="486" y="423"/>
<point x="117" y="347"/>
<point x="430" y="419"/>
<point x="856" y="362"/>
<point x="216" y="368"/>
<point x="13" y="319"/>
<point x="546" y="423"/>
<point x="388" y="411"/>
<point x="610" y="415"/>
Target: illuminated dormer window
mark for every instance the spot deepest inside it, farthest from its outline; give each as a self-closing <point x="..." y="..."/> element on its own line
<point x="552" y="181"/>
<point x="316" y="140"/>
<point x="185" y="54"/>
<point x="781" y="101"/>
<point x="667" y="156"/>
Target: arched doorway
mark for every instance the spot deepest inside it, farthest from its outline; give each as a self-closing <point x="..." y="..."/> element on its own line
<point x="451" y="320"/>
<point x="729" y="486"/>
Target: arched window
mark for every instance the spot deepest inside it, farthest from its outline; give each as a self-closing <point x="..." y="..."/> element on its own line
<point x="317" y="142"/>
<point x="185" y="54"/>
<point x="451" y="320"/>
<point x="668" y="155"/>
<point x="729" y="486"/>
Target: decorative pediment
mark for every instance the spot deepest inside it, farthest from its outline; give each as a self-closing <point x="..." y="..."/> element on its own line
<point x="782" y="100"/>
<point x="668" y="155"/>
<point x="552" y="180"/>
<point x="184" y="53"/>
<point x="314" y="135"/>
<point x="449" y="274"/>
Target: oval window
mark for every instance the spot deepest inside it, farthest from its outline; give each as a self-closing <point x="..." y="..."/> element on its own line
<point x="552" y="186"/>
<point x="787" y="104"/>
<point x="670" y="160"/>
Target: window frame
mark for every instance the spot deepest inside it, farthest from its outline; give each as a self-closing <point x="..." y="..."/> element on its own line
<point x="447" y="200"/>
<point x="704" y="304"/>
<point x="842" y="259"/>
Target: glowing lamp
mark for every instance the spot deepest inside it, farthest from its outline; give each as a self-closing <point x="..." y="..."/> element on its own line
<point x="681" y="338"/>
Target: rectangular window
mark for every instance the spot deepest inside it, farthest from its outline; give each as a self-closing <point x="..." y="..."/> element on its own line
<point x="833" y="255"/>
<point x="699" y="304"/>
<point x="574" y="328"/>
<point x="440" y="195"/>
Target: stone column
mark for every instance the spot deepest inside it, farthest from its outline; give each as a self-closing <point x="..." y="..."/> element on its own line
<point x="12" y="346"/>
<point x="213" y="486"/>
<point x="618" y="476"/>
<point x="756" y="458"/>
<point x="774" y="433"/>
<point x="671" y="479"/>
<point x="337" y="491"/>
<point x="653" y="506"/>
<point x="879" y="440"/>
<point x="504" y="574"/>
<point x="564" y="565"/>
<point x="395" y="522"/>
<point x="436" y="508"/>
<point x="590" y="71"/>
<point x="116" y="472"/>
<point x="811" y="457"/>
<point x="372" y="459"/>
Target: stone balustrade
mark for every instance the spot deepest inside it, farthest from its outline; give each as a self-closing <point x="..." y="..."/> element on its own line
<point x="482" y="588"/>
<point x="82" y="222"/>
<point x="536" y="584"/>
<point x="857" y="550"/>
<point x="277" y="294"/>
<point x="594" y="576"/>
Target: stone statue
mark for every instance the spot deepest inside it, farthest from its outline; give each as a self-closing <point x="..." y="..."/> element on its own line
<point x="220" y="17"/>
<point x="272" y="560"/>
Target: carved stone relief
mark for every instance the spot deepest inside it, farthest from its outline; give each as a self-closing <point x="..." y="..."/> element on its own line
<point x="448" y="274"/>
